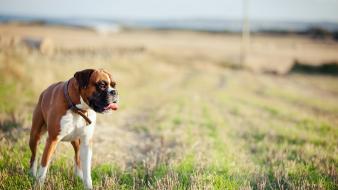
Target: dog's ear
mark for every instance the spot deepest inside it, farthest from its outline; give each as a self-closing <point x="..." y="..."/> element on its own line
<point x="82" y="77"/>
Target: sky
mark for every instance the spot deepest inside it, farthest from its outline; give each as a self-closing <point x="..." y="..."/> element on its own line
<point x="285" y="10"/>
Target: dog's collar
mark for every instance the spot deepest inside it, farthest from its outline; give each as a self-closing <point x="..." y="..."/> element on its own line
<point x="71" y="106"/>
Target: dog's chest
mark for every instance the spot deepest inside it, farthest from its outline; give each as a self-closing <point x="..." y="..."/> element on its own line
<point x="73" y="126"/>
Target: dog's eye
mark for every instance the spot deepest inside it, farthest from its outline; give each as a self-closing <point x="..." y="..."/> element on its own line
<point x="101" y="85"/>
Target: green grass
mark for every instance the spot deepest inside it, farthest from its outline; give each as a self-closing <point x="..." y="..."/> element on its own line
<point x="178" y="128"/>
<point x="14" y="159"/>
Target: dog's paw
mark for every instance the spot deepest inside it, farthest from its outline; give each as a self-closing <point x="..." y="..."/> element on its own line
<point x="39" y="184"/>
<point x="32" y="170"/>
<point x="78" y="173"/>
<point x="32" y="173"/>
<point x="89" y="186"/>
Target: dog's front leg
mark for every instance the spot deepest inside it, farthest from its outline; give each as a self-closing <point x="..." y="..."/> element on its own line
<point x="47" y="154"/>
<point x="86" y="156"/>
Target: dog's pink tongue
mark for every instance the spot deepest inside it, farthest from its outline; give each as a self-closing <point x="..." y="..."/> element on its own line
<point x="112" y="106"/>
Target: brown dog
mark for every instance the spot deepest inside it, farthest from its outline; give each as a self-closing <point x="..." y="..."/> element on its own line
<point x="66" y="111"/>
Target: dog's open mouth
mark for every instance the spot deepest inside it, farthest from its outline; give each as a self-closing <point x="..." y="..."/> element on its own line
<point x="111" y="106"/>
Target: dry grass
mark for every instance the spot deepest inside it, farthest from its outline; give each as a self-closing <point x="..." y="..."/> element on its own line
<point x="186" y="121"/>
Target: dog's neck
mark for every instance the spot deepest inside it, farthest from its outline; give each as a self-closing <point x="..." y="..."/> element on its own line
<point x="69" y="92"/>
<point x="75" y="95"/>
<point x="83" y="105"/>
<point x="73" y="91"/>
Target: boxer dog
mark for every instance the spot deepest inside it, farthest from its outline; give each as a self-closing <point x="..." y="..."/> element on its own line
<point x="67" y="112"/>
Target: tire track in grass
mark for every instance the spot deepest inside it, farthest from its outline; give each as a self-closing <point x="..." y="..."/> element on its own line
<point x="207" y="162"/>
<point x="303" y="97"/>
<point x="271" y="155"/>
<point x="227" y="153"/>
<point x="214" y="159"/>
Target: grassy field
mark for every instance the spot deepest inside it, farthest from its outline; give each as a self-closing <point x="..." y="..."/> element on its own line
<point x="188" y="118"/>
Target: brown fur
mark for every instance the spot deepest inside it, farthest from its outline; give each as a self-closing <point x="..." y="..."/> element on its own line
<point x="52" y="106"/>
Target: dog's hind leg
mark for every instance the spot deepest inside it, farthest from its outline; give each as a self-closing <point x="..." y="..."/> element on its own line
<point x="38" y="129"/>
<point x="77" y="165"/>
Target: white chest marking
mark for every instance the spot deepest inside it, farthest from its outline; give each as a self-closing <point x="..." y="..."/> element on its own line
<point x="73" y="126"/>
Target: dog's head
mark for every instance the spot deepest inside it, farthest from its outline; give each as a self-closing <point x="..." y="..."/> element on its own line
<point x="97" y="89"/>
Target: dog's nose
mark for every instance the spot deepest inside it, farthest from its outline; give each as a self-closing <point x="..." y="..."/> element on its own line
<point x="113" y="92"/>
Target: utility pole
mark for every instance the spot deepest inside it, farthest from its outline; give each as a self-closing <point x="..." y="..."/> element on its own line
<point x="245" y="33"/>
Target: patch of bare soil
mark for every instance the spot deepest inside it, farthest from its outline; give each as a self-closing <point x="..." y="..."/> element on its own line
<point x="133" y="142"/>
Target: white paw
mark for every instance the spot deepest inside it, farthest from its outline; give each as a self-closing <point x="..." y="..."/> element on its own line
<point x="89" y="186"/>
<point x="88" y="183"/>
<point x="78" y="172"/>
<point x="40" y="179"/>
<point x="32" y="170"/>
<point x="39" y="183"/>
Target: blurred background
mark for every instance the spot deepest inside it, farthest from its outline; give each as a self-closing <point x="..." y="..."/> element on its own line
<point x="213" y="94"/>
